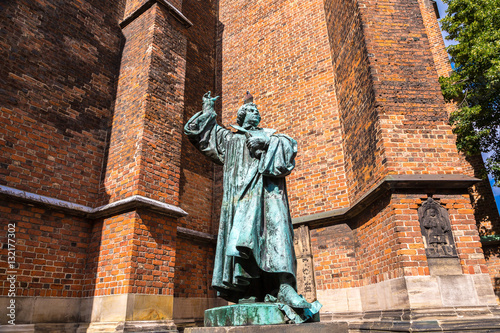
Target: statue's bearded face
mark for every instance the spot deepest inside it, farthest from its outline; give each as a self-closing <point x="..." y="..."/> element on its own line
<point x="251" y="116"/>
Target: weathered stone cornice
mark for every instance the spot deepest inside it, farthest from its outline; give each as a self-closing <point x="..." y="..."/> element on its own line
<point x="425" y="183"/>
<point x="117" y="207"/>
<point x="198" y="235"/>
<point x="148" y="4"/>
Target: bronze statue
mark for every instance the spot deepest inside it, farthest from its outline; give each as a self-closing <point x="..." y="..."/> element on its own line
<point x="255" y="259"/>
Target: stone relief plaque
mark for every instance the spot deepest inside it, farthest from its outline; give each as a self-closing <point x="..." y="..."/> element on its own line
<point x="305" y="269"/>
<point x="436" y="230"/>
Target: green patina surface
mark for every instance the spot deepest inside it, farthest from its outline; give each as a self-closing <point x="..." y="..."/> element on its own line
<point x="245" y="314"/>
<point x="254" y="259"/>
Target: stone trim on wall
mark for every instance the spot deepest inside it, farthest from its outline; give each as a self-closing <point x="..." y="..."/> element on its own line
<point x="412" y="292"/>
<point x="148" y="4"/>
<point x="114" y="208"/>
<point x="98" y="309"/>
<point x="430" y="183"/>
<point x="198" y="235"/>
<point x="108" y="312"/>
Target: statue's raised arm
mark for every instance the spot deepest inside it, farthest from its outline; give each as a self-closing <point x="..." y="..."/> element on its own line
<point x="204" y="132"/>
<point x="209" y="103"/>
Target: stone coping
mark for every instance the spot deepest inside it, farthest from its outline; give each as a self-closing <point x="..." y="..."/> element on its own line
<point x="148" y="4"/>
<point x="198" y="235"/>
<point x="426" y="183"/>
<point x="127" y="204"/>
<point x="389" y="183"/>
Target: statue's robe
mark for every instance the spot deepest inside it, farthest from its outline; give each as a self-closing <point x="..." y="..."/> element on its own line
<point x="255" y="239"/>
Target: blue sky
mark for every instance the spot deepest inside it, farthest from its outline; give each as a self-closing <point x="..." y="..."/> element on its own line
<point x="442" y="12"/>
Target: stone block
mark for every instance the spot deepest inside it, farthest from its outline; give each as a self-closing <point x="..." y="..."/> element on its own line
<point x="369" y="298"/>
<point x="354" y="300"/>
<point x="24" y="309"/>
<point x="149" y="307"/>
<point x="109" y="308"/>
<point x="483" y="325"/>
<point x="457" y="290"/>
<point x="444" y="266"/>
<point x="86" y="309"/>
<point x="56" y="310"/>
<point x="423" y="292"/>
<point x="484" y="289"/>
<point x="398" y="294"/>
<point x="334" y="300"/>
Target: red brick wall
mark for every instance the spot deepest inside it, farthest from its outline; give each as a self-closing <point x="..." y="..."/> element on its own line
<point x="493" y="262"/>
<point x="196" y="170"/>
<point x="415" y="133"/>
<point x="59" y="65"/>
<point x="50" y="250"/>
<point x="441" y="60"/>
<point x="386" y="242"/>
<point x="144" y="153"/>
<point x="194" y="259"/>
<point x="334" y="254"/>
<point x="194" y="268"/>
<point x="279" y="51"/>
<point x="132" y="252"/>
<point x="364" y="155"/>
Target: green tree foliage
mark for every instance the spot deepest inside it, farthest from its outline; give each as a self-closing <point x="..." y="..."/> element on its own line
<point x="474" y="83"/>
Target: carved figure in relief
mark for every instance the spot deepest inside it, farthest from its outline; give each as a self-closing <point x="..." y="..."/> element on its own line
<point x="436" y="230"/>
<point x="255" y="259"/>
<point x="437" y="227"/>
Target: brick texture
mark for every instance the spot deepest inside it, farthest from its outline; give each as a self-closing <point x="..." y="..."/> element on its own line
<point x="50" y="251"/>
<point x="266" y="48"/>
<point x="132" y="253"/>
<point x="197" y="171"/>
<point x="144" y="150"/>
<point x="193" y="269"/>
<point x="60" y="63"/>
<point x="386" y="243"/>
<point x="414" y="123"/>
<point x="354" y="88"/>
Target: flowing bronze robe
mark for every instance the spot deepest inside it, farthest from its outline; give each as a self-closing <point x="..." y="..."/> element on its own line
<point x="255" y="231"/>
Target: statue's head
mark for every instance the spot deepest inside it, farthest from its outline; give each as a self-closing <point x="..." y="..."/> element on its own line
<point x="248" y="114"/>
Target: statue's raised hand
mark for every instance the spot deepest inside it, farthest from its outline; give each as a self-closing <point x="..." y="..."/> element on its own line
<point x="209" y="102"/>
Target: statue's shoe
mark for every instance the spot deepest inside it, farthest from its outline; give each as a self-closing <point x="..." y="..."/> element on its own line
<point x="288" y="295"/>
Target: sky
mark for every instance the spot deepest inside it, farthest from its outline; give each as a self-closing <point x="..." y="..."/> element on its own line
<point x="442" y="13"/>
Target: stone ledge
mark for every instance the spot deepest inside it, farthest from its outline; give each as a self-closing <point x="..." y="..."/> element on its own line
<point x="156" y="326"/>
<point x="148" y="4"/>
<point x="127" y="204"/>
<point x="488" y="314"/>
<point x="455" y="326"/>
<point x="388" y="184"/>
<point x="197" y="235"/>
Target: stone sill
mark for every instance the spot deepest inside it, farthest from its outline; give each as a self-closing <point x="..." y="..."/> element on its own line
<point x="148" y="4"/>
<point x="425" y="183"/>
<point x="114" y="208"/>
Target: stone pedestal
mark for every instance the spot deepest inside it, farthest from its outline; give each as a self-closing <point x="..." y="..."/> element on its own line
<point x="258" y="314"/>
<point x="332" y="327"/>
<point x="245" y="314"/>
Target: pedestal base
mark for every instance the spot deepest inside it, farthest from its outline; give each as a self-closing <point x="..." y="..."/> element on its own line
<point x="257" y="314"/>
<point x="342" y="327"/>
<point x="245" y="314"/>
